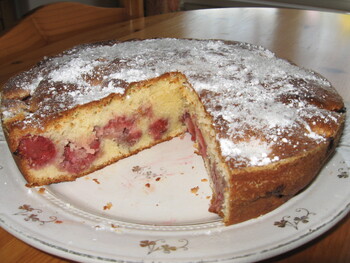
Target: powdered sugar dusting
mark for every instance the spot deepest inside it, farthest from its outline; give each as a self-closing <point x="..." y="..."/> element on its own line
<point x="253" y="97"/>
<point x="256" y="152"/>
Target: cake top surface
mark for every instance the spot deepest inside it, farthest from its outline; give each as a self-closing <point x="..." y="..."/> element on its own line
<point x="262" y="106"/>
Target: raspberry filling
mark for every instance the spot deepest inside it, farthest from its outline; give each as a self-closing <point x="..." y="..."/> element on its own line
<point x="218" y="184"/>
<point x="38" y="150"/>
<point x="218" y="181"/>
<point x="196" y="133"/>
<point x="122" y="129"/>
<point x="158" y="128"/>
<point x="186" y="118"/>
<point x="77" y="159"/>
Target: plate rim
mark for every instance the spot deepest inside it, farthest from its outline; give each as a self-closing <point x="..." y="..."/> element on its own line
<point x="267" y="253"/>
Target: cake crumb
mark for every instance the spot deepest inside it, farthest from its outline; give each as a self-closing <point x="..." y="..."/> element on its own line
<point x="208" y="197"/>
<point x="148" y="185"/>
<point x="41" y="190"/>
<point x="58" y="222"/>
<point x="108" y="206"/>
<point x="136" y="169"/>
<point x="157" y="179"/>
<point x="204" y="180"/>
<point x="194" y="190"/>
<point x="96" y="181"/>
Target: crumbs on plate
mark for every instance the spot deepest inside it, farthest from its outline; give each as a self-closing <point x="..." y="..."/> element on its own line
<point x="96" y="181"/>
<point x="136" y="169"/>
<point x="107" y="206"/>
<point x="194" y="190"/>
<point x="41" y="190"/>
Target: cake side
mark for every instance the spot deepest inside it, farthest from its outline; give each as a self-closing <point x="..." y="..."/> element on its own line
<point x="257" y="191"/>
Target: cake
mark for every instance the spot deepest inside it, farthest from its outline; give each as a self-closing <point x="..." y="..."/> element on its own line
<point x="264" y="126"/>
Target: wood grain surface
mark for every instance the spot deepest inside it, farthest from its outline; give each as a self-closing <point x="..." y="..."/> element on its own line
<point x="312" y="39"/>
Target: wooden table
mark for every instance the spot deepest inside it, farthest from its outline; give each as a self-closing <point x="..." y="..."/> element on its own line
<point x="316" y="40"/>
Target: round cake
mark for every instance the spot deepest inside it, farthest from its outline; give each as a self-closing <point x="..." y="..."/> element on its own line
<point x="264" y="126"/>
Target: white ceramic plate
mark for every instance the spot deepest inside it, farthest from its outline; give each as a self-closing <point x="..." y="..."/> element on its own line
<point x="152" y="207"/>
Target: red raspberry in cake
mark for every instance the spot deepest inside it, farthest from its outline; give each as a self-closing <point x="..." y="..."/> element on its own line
<point x="38" y="150"/>
<point x="201" y="142"/>
<point x="219" y="185"/>
<point x="196" y="134"/>
<point x="116" y="127"/>
<point x="77" y="159"/>
<point x="186" y="118"/>
<point x="122" y="129"/>
<point x="130" y="137"/>
<point x="158" y="128"/>
<point x="95" y="145"/>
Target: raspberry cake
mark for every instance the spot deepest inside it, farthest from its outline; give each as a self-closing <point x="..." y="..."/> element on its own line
<point x="264" y="126"/>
